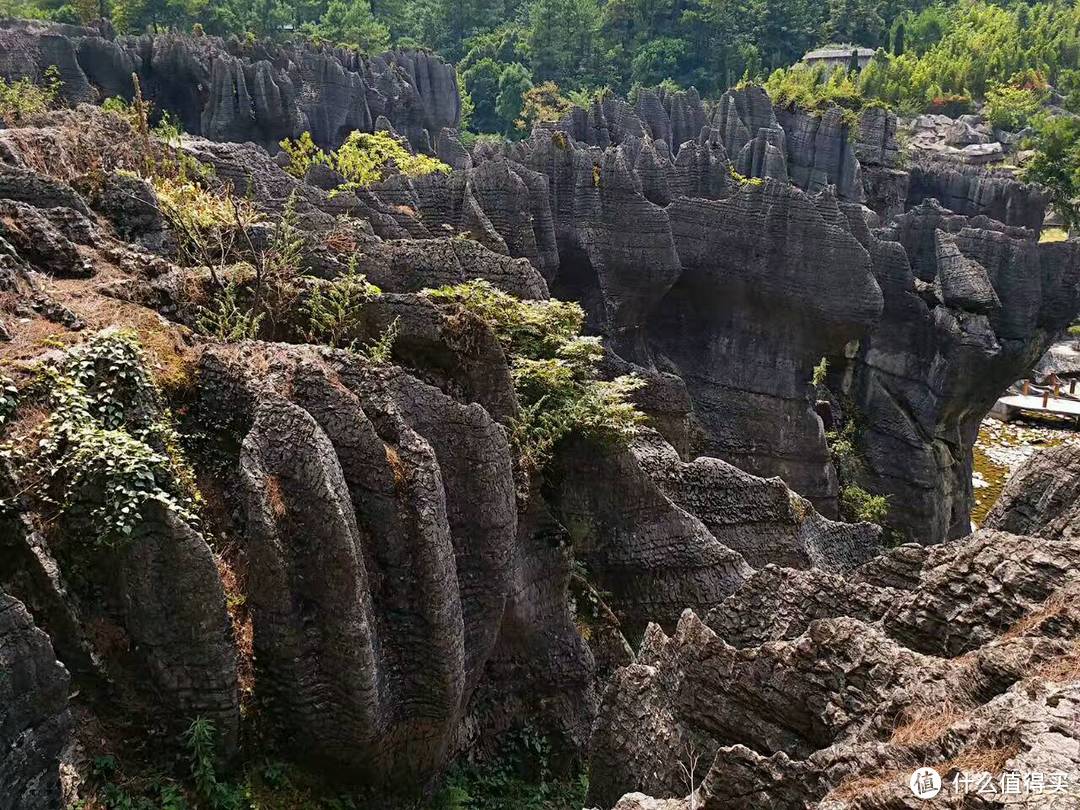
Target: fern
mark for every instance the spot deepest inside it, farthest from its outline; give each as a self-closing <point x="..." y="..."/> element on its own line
<point x="334" y="310"/>
<point x="225" y="319"/>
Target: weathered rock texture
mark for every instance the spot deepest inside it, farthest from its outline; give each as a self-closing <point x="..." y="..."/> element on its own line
<point x="383" y="512"/>
<point x="409" y="585"/>
<point x="1043" y="497"/>
<point x="654" y="215"/>
<point x="970" y="304"/>
<point x="805" y="690"/>
<point x="230" y="91"/>
<point x="34" y="719"/>
<point x="971" y="190"/>
<point x="739" y="287"/>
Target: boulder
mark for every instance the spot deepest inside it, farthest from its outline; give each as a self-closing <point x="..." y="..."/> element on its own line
<point x="1043" y="497"/>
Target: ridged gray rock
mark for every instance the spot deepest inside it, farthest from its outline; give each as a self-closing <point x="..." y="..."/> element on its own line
<point x="1042" y="497"/>
<point x="35" y="722"/>
<point x="820" y="692"/>
<point x="921" y="381"/>
<point x="383" y="512"/>
<point x="970" y="190"/>
<point x="229" y="91"/>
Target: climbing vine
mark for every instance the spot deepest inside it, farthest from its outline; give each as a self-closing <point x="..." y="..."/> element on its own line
<point x="105" y="450"/>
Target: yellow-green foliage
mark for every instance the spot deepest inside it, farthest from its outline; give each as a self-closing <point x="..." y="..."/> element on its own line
<point x="743" y="180"/>
<point x="532" y="329"/>
<point x="858" y="505"/>
<point x="1011" y="106"/>
<point x="542" y="102"/>
<point x="364" y="158"/>
<point x="303" y="154"/>
<point x="198" y="209"/>
<point x="814" y="88"/>
<point x="554" y="371"/>
<point x="23" y="98"/>
<point x="971" y="50"/>
<point x="226" y="316"/>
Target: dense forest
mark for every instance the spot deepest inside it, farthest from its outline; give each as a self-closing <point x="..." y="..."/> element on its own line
<point x="929" y="57"/>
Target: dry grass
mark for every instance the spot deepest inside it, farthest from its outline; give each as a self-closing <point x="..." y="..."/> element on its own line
<point x="973" y="761"/>
<point x="862" y="785"/>
<point x="1053" y="235"/>
<point x="922" y="724"/>
<point x="233" y="580"/>
<point x="275" y="497"/>
<point x="1052" y="606"/>
<point x="978" y="760"/>
<point x="24" y="429"/>
<point x="171" y="362"/>
<point x="341" y="241"/>
<point x="397" y="466"/>
<point x="1064" y="669"/>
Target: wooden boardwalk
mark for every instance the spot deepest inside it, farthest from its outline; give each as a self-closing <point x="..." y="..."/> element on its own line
<point x="1052" y="395"/>
<point x="1010" y="406"/>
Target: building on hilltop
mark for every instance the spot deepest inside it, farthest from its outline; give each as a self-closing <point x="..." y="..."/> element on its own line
<point x="833" y="56"/>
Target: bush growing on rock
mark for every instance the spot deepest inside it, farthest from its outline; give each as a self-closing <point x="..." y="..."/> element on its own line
<point x="23" y="98"/>
<point x="104" y="451"/>
<point x="553" y="368"/>
<point x="333" y="310"/>
<point x="857" y="505"/>
<point x="1056" y="165"/>
<point x="814" y="88"/>
<point x="364" y="158"/>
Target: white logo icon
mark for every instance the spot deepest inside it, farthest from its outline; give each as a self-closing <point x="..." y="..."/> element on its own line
<point x="925" y="783"/>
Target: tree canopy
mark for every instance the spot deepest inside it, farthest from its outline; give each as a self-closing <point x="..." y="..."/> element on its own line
<point x="929" y="57"/>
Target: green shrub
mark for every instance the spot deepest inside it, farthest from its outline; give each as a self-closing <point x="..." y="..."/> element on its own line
<point x="1056" y="165"/>
<point x="105" y="450"/>
<point x="522" y="778"/>
<point x="541" y="102"/>
<point x="334" y="311"/>
<point x="530" y="329"/>
<point x="858" y="505"/>
<point x="225" y="318"/>
<point x="22" y="98"/>
<point x="303" y="154"/>
<point x="815" y="88"/>
<point x="554" y="371"/>
<point x="1010" y="107"/>
<point x="214" y="793"/>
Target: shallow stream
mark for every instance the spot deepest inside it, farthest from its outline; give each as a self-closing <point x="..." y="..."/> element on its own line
<point x="1002" y="447"/>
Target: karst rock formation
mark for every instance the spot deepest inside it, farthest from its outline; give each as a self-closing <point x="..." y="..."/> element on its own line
<point x="371" y="571"/>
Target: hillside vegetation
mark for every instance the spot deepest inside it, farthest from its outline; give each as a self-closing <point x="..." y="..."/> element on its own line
<point x="931" y="57"/>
